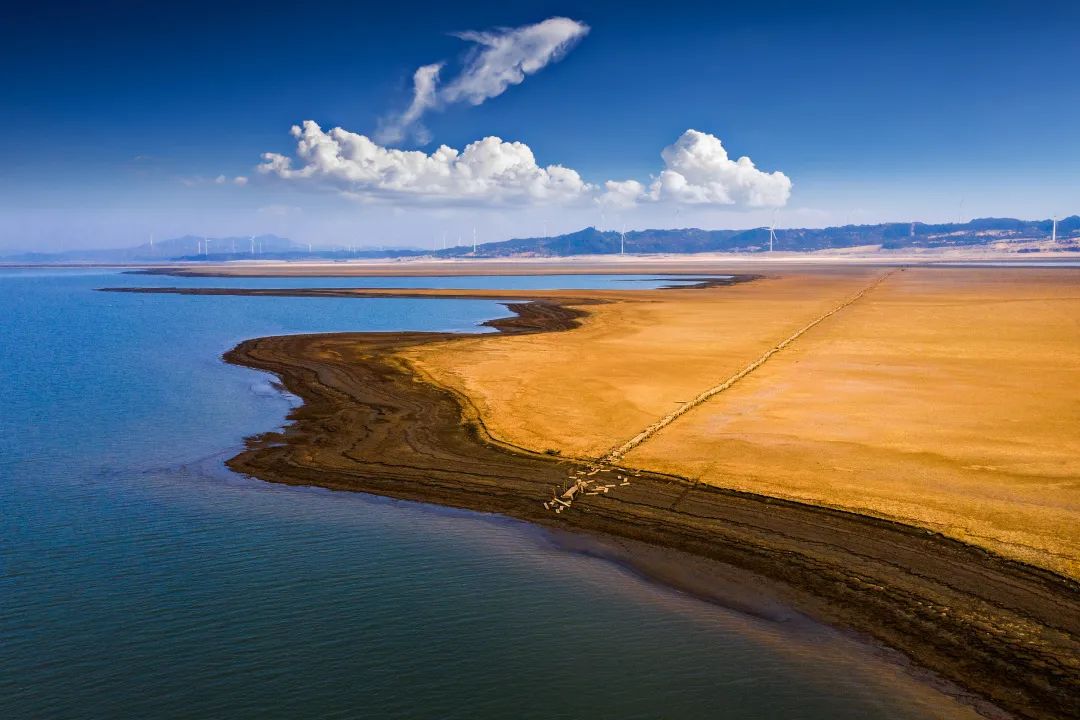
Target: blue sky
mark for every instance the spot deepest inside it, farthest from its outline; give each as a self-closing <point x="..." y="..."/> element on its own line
<point x="120" y="116"/>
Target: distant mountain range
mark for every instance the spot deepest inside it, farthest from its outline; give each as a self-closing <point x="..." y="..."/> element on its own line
<point x="590" y="241"/>
<point x="889" y="236"/>
<point x="198" y="248"/>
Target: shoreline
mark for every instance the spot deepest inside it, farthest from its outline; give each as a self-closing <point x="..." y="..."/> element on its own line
<point x="757" y="599"/>
<point x="369" y="422"/>
<point x="673" y="264"/>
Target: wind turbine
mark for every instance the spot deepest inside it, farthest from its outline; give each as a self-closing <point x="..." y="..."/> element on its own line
<point x="622" y="240"/>
<point x="772" y="231"/>
<point x="206" y="246"/>
<point x="1053" y="231"/>
<point x="474" y="240"/>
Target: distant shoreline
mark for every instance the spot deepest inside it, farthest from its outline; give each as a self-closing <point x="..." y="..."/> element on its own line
<point x="574" y="264"/>
<point x="1050" y="236"/>
<point x="369" y="423"/>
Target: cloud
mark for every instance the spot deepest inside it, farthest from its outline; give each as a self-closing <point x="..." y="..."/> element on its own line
<point x="488" y="171"/>
<point x="498" y="59"/>
<point x="393" y="129"/>
<point x="219" y="180"/>
<point x="505" y="56"/>
<point x="238" y="180"/>
<point x="698" y="171"/>
<point x="622" y="193"/>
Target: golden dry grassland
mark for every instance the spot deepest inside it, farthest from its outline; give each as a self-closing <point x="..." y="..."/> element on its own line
<point x="945" y="397"/>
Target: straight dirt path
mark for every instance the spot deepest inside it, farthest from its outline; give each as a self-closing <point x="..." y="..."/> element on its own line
<point x="620" y="451"/>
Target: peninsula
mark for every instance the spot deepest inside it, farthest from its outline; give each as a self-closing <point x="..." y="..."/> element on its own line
<point x="889" y="449"/>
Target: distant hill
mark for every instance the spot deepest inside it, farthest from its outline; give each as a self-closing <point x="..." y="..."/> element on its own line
<point x="272" y="247"/>
<point x="590" y="241"/>
<point x="201" y="249"/>
<point x="187" y="247"/>
<point x="889" y="236"/>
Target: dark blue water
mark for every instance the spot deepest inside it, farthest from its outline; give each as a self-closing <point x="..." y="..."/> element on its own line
<point x="139" y="578"/>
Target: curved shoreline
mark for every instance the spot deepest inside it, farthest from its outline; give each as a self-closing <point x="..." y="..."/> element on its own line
<point x="1005" y="631"/>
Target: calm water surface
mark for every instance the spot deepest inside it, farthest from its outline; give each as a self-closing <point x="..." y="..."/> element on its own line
<point x="139" y="578"/>
<point x="1016" y="263"/>
<point x="525" y="282"/>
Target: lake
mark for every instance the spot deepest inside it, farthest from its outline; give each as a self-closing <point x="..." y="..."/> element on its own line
<point x="140" y="578"/>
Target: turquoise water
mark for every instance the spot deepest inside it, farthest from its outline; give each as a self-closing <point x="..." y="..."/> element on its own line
<point x="139" y="578"/>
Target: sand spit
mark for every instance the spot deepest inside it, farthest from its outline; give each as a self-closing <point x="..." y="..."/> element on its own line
<point x="374" y="420"/>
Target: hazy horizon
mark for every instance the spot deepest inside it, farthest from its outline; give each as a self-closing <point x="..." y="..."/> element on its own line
<point x="462" y="241"/>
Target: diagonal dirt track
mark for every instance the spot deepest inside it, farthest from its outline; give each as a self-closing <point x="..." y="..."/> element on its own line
<point x="620" y="451"/>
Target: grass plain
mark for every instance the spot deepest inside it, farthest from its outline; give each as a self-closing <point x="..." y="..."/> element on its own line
<point x="947" y="398"/>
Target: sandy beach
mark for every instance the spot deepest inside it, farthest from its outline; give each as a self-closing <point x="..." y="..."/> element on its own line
<point x="892" y="450"/>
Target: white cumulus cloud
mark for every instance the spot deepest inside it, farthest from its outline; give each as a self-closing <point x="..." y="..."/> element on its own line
<point x="498" y="59"/>
<point x="622" y="193"/>
<point x="489" y="171"/>
<point x="698" y="171"/>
